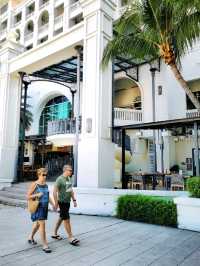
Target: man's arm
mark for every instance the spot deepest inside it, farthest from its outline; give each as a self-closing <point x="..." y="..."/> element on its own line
<point x="74" y="199"/>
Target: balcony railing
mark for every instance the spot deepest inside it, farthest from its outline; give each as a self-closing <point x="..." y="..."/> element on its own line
<point x="66" y="126"/>
<point x="3" y="33"/>
<point x="75" y="6"/>
<point x="28" y="37"/>
<point x="30" y="15"/>
<point x="58" y="20"/>
<point x="192" y="113"/>
<point x="16" y="24"/>
<point x="43" y="28"/>
<point x="127" y="116"/>
<point x="44" y="5"/>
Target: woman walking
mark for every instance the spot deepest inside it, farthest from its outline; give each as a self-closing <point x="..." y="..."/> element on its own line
<point x="40" y="189"/>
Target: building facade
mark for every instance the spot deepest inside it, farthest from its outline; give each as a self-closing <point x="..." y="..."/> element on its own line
<point x="37" y="35"/>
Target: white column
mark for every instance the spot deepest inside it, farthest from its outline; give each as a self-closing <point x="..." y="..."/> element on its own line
<point x="36" y="18"/>
<point x="51" y="19"/>
<point x="23" y="24"/>
<point x="96" y="151"/>
<point x="66" y="15"/>
<point x="9" y="113"/>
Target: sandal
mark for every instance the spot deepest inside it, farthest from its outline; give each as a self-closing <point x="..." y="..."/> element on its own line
<point x="74" y="241"/>
<point x="47" y="250"/>
<point x="32" y="242"/>
<point x="58" y="237"/>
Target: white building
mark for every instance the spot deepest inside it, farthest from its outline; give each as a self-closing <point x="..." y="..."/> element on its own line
<point x="47" y="33"/>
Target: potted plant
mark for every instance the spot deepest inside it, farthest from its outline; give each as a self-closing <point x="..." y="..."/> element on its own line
<point x="188" y="208"/>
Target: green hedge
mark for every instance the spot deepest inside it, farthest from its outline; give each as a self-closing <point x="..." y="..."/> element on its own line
<point x="147" y="209"/>
<point x="193" y="186"/>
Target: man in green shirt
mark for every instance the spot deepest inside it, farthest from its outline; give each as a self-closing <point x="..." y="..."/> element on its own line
<point x="63" y="193"/>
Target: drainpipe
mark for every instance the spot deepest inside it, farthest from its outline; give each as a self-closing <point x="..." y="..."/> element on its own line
<point x="78" y="49"/>
<point x="123" y="175"/>
<point x="153" y="71"/>
<point x="196" y="150"/>
<point x="113" y="96"/>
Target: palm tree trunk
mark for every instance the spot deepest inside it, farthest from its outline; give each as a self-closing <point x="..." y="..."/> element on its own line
<point x="184" y="85"/>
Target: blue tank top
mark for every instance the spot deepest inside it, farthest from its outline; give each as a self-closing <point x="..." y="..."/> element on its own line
<point x="44" y="200"/>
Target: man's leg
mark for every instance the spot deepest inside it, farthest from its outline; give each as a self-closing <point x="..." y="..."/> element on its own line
<point x="67" y="227"/>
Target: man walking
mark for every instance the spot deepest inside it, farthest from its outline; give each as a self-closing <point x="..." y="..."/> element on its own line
<point x="63" y="193"/>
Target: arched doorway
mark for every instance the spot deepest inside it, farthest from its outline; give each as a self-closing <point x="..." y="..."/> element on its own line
<point x="127" y="102"/>
<point x="43" y="153"/>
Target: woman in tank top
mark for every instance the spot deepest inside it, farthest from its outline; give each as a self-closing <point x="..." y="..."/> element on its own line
<point x="40" y="189"/>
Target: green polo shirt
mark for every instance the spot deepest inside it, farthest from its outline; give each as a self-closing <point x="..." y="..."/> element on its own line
<point x="64" y="185"/>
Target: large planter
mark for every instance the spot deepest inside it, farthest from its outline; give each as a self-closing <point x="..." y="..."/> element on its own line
<point x="188" y="210"/>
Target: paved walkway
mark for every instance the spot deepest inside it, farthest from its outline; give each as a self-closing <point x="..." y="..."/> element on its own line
<point x="104" y="242"/>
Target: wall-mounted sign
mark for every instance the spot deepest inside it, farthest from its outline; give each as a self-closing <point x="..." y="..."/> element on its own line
<point x="89" y="125"/>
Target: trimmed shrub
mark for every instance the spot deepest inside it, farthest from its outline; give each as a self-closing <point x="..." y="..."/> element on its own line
<point x="147" y="209"/>
<point x="193" y="186"/>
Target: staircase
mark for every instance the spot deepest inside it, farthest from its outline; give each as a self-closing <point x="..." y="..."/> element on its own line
<point x="15" y="195"/>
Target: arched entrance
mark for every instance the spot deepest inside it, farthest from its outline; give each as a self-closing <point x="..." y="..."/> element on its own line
<point x="127" y="102"/>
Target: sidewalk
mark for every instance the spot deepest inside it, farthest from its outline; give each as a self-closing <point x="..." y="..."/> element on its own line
<point x="104" y="242"/>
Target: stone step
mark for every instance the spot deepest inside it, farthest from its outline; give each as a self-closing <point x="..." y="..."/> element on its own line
<point x="13" y="202"/>
<point x="15" y="190"/>
<point x="13" y="195"/>
<point x="22" y="185"/>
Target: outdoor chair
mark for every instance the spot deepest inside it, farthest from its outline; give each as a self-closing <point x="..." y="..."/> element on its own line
<point x="177" y="182"/>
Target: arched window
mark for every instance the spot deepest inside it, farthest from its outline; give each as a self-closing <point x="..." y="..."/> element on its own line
<point x="18" y="35"/>
<point x="58" y="108"/>
<point x="29" y="28"/>
<point x="44" y="19"/>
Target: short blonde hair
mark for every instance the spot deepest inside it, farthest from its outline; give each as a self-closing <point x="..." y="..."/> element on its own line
<point x="41" y="171"/>
<point x="67" y="166"/>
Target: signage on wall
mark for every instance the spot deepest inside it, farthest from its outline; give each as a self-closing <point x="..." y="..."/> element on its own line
<point x="89" y="125"/>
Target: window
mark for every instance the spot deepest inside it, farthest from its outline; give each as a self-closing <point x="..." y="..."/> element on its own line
<point x="190" y="105"/>
<point x="43" y="39"/>
<point x="18" y="35"/>
<point x="30" y="27"/>
<point x="58" y="108"/>
<point x="4" y="25"/>
<point x="29" y="47"/>
<point x="59" y="11"/>
<point x="3" y="9"/>
<point x="18" y="17"/>
<point x="30" y="9"/>
<point x="58" y="31"/>
<point x="44" y="18"/>
<point x="76" y="20"/>
<point x="189" y="164"/>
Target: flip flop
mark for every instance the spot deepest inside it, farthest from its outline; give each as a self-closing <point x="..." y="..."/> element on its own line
<point x="74" y="241"/>
<point x="47" y="250"/>
<point x="58" y="237"/>
<point x="32" y="242"/>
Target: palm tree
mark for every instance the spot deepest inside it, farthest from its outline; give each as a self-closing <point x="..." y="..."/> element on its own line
<point x="151" y="29"/>
<point x="28" y="116"/>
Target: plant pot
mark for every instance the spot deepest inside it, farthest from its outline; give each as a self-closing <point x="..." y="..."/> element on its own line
<point x="188" y="211"/>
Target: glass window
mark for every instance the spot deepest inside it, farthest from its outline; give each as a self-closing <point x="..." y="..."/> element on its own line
<point x="56" y="109"/>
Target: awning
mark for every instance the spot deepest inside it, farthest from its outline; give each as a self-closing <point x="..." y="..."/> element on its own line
<point x="66" y="71"/>
<point x="167" y="124"/>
